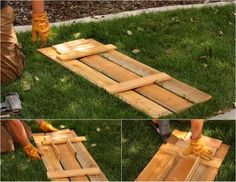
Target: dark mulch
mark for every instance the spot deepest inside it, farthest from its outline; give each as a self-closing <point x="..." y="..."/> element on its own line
<point x="66" y="10"/>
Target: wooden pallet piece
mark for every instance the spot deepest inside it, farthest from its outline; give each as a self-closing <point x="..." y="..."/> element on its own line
<point x="136" y="83"/>
<point x="130" y="97"/>
<point x="184" y="168"/>
<point x="66" y="154"/>
<point x="110" y="69"/>
<point x="86" y="52"/>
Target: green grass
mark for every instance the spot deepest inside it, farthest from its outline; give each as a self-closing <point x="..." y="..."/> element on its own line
<point x="16" y="166"/>
<point x="140" y="142"/>
<point x="172" y="42"/>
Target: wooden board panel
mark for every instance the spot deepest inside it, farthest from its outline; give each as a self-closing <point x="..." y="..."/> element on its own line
<point x="183" y="167"/>
<point x="134" y="99"/>
<point x="113" y="67"/>
<point x="139" y="82"/>
<point x="86" y="51"/>
<point x="153" y="92"/>
<point x="68" y="161"/>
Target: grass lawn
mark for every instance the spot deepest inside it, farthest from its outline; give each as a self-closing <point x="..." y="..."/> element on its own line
<point x="140" y="142"/>
<point x="195" y="46"/>
<point x="107" y="153"/>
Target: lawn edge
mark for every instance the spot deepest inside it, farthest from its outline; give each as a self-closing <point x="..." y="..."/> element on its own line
<point x="25" y="28"/>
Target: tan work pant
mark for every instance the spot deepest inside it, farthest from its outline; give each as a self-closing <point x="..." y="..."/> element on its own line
<point x="12" y="60"/>
<point x="8" y="138"/>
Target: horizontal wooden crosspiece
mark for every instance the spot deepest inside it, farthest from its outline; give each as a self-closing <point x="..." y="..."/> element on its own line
<point x="64" y="140"/>
<point x="136" y="83"/>
<point x="73" y="173"/>
<point x="87" y="52"/>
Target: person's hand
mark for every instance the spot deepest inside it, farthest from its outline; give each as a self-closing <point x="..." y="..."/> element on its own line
<point x="46" y="127"/>
<point x="41" y="27"/>
<point x="31" y="151"/>
<point x="199" y="149"/>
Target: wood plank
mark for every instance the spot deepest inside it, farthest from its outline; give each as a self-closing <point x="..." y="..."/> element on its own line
<point x="67" y="46"/>
<point x="86" y="160"/>
<point x="71" y="147"/>
<point x="172" y="139"/>
<point x="182" y="170"/>
<point x="193" y="169"/>
<point x="139" y="82"/>
<point x="154" y="168"/>
<point x="188" y="92"/>
<point x="134" y="99"/>
<point x="64" y="140"/>
<point x="160" y="175"/>
<point x="179" y="134"/>
<point x="222" y="151"/>
<point x="153" y="92"/>
<point x="74" y="173"/>
<point x="87" y="52"/>
<point x="48" y="157"/>
<point x="201" y="173"/>
<point x="55" y="150"/>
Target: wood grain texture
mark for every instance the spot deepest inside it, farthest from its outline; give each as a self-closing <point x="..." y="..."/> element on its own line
<point x="87" y="51"/>
<point x="73" y="173"/>
<point x="183" y="167"/>
<point x="132" y="98"/>
<point x="136" y="83"/>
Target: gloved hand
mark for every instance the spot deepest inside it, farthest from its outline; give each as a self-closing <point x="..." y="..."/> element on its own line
<point x="31" y="151"/>
<point x="40" y="25"/>
<point x="199" y="149"/>
<point x="46" y="127"/>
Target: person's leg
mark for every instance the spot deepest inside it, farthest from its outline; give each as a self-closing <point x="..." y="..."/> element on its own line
<point x="12" y="60"/>
<point x="6" y="140"/>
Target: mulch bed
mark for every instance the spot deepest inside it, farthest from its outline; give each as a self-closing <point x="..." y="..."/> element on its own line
<point x="67" y="10"/>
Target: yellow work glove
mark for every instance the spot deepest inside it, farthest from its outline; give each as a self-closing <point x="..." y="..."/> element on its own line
<point x="31" y="151"/>
<point x="46" y="127"/>
<point x="199" y="149"/>
<point x="40" y="25"/>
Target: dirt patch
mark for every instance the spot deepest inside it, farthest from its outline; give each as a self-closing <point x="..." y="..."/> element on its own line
<point x="67" y="10"/>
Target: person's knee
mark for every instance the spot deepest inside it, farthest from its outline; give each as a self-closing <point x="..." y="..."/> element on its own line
<point x="7" y="14"/>
<point x="12" y="62"/>
<point x="7" y="143"/>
